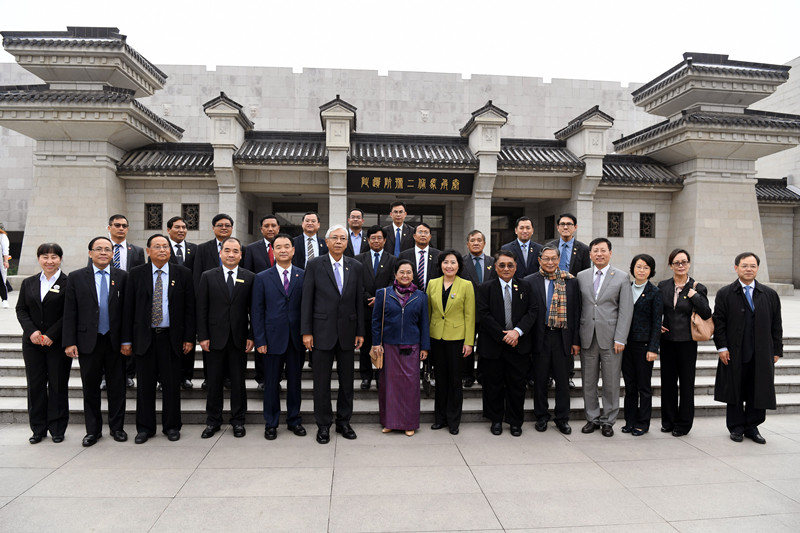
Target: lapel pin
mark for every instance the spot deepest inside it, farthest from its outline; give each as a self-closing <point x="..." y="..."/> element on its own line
<point x="172" y="283"/>
<point x="489" y="267"/>
<point x="54" y="290"/>
<point x="452" y="296"/>
<point x="112" y="282"/>
<point x="56" y="287"/>
<point x="239" y="280"/>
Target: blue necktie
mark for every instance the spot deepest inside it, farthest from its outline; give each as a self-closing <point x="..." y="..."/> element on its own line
<point x="397" y="243"/>
<point x="103" y="325"/>
<point x="749" y="297"/>
<point x="478" y="269"/>
<point x="376" y="263"/>
<point x="549" y="298"/>
<point x="563" y="263"/>
<point x="338" y="277"/>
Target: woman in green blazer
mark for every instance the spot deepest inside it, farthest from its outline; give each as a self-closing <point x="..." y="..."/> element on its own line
<point x="451" y="307"/>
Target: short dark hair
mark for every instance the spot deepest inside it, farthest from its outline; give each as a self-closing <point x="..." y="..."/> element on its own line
<point x="423" y="224"/>
<point x="219" y="217"/>
<point x="50" y="248"/>
<point x="231" y="239"/>
<point x="310" y="213"/>
<point x="112" y="218"/>
<point x="377" y="229"/>
<point x="401" y="263"/>
<point x="475" y="232"/>
<point x="739" y="258"/>
<point x="100" y="237"/>
<point x="568" y="215"/>
<point x="599" y="240"/>
<point x="173" y="220"/>
<point x="156" y="235"/>
<point x="549" y="247"/>
<point x="350" y="212"/>
<point x="522" y="219"/>
<point x="647" y="259"/>
<point x="398" y="204"/>
<point x="504" y="253"/>
<point x="283" y="236"/>
<point x="267" y="217"/>
<point x="443" y="256"/>
<point x="674" y="253"/>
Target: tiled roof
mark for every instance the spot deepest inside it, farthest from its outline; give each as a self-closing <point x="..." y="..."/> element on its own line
<point x="578" y="121"/>
<point x="776" y="191"/>
<point x="751" y="118"/>
<point x="244" y="120"/>
<point x="337" y="101"/>
<point x="470" y="125"/>
<point x="527" y="154"/>
<point x="410" y="151"/>
<point x="169" y="159"/>
<point x="294" y="148"/>
<point x="632" y="170"/>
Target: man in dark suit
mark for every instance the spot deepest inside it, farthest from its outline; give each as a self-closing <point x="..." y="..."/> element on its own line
<point x="183" y="253"/>
<point x="277" y="299"/>
<point x="378" y="268"/>
<point x="423" y="256"/>
<point x="478" y="267"/>
<point x="748" y="333"/>
<point x="526" y="251"/>
<point x="506" y="313"/>
<point x="556" y="334"/>
<point x="399" y="235"/>
<point x="92" y="326"/>
<point x="308" y="244"/>
<point x="158" y="325"/>
<point x="357" y="242"/>
<point x="332" y="325"/>
<point x="223" y="330"/>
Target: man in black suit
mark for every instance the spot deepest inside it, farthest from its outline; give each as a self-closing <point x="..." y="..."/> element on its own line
<point x="478" y="267"/>
<point x="183" y="253"/>
<point x="332" y="325"/>
<point x="526" y="251"/>
<point x="308" y="244"/>
<point x="557" y="336"/>
<point x="423" y="256"/>
<point x="357" y="242"/>
<point x="223" y="329"/>
<point x="378" y="267"/>
<point x="399" y="235"/>
<point x="92" y="326"/>
<point x="506" y="313"/>
<point x="158" y="325"/>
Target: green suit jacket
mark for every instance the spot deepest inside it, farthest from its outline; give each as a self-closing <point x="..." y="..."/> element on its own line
<point x="457" y="321"/>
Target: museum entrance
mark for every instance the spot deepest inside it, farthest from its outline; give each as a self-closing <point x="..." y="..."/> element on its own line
<point x="432" y="215"/>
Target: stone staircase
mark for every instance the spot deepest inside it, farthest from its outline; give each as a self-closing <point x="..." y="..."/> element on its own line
<point x="13" y="402"/>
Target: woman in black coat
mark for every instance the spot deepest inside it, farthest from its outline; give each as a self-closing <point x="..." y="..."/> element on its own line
<point x="40" y="310"/>
<point x="642" y="348"/>
<point x="682" y="296"/>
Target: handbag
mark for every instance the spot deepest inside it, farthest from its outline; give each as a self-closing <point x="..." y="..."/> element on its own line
<point x="702" y="330"/>
<point x="377" y="355"/>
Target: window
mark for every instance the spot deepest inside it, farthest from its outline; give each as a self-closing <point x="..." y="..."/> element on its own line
<point x="549" y="228"/>
<point x="432" y="215"/>
<point x="153" y="216"/>
<point x="647" y="225"/>
<point x="191" y="215"/>
<point x="290" y="216"/>
<point x="615" y="225"/>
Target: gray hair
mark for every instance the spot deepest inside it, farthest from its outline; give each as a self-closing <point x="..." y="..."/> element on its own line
<point x="549" y="247"/>
<point x="334" y="228"/>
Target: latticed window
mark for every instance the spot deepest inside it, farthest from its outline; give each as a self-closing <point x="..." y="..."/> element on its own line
<point x="153" y="216"/>
<point x="647" y="225"/>
<point x="191" y="215"/>
<point x="615" y="227"/>
<point x="550" y="227"/>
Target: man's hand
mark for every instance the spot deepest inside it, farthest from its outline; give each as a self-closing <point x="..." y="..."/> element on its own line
<point x="36" y="337"/>
<point x="359" y="342"/>
<point x="371" y="302"/>
<point x="775" y="358"/>
<point x="511" y="337"/>
<point x="262" y="349"/>
<point x="205" y="345"/>
<point x="248" y="347"/>
<point x="576" y="350"/>
<point x="308" y="342"/>
<point x="423" y="354"/>
<point x="71" y="351"/>
<point x="725" y="356"/>
<point x="45" y="340"/>
<point x="652" y="356"/>
<point x="618" y="348"/>
<point x="188" y="347"/>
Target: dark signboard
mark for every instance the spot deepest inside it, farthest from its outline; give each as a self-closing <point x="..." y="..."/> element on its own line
<point x="428" y="183"/>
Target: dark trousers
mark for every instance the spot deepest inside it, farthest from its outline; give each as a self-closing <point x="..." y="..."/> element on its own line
<point x="637" y="372"/>
<point x="274" y="366"/>
<point x="552" y="361"/>
<point x="104" y="359"/>
<point x="678" y="366"/>
<point x="504" y="386"/>
<point x="322" y="370"/>
<point x="449" y="395"/>
<point x="229" y="361"/>
<point x="158" y="362"/>
<point x="47" y="372"/>
<point x="468" y="366"/>
<point x="130" y="367"/>
<point x="187" y="365"/>
<point x="364" y="360"/>
<point x="258" y="362"/>
<point x="742" y="417"/>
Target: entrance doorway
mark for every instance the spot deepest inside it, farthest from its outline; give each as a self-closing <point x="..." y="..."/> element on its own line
<point x="503" y="220"/>
<point x="432" y="215"/>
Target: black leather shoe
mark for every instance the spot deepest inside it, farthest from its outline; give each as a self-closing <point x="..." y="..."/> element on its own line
<point x="260" y="387"/>
<point x="469" y="382"/>
<point x="346" y="431"/>
<point x="323" y="435"/>
<point x="530" y="383"/>
<point x="239" y="431"/>
<point x="226" y="383"/>
<point x="173" y="435"/>
<point x="141" y="438"/>
<point x="541" y="425"/>
<point x="436" y="425"/>
<point x="58" y="439"/>
<point x="571" y="384"/>
<point x="564" y="428"/>
<point x="298" y="430"/>
<point x="204" y="385"/>
<point x="608" y="431"/>
<point x="119" y="435"/>
<point x="678" y="433"/>
<point x="90" y="440"/>
<point x="365" y="384"/>
<point x="186" y="384"/>
<point x="590" y="427"/>
<point x="35" y="439"/>
<point x="103" y="385"/>
<point x="516" y="431"/>
<point x="756" y="437"/>
<point x="270" y="433"/>
<point x="497" y="428"/>
<point x="209" y="432"/>
<point x="737" y="437"/>
<point x="627" y="429"/>
<point x="665" y="429"/>
<point x="454" y="431"/>
<point x="638" y="432"/>
<point x="129" y="382"/>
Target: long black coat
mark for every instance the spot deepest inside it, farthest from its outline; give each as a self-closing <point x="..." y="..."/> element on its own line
<point x="729" y="318"/>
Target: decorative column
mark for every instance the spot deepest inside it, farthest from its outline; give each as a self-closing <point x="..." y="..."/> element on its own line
<point x="338" y="120"/>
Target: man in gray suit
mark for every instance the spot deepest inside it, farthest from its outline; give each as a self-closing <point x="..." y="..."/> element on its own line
<point x="606" y="312"/>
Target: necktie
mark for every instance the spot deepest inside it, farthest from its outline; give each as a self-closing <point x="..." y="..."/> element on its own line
<point x="524" y="253"/>
<point x="507" y="306"/>
<point x="376" y="263"/>
<point x="421" y="270"/>
<point x="219" y="249"/>
<point x="749" y="297"/>
<point x="116" y="255"/>
<point x="103" y="324"/>
<point x="270" y="255"/>
<point x="179" y="254"/>
<point x="478" y="269"/>
<point x="397" y="238"/>
<point x="286" y="282"/>
<point x="550" y="284"/>
<point x="158" y="295"/>
<point x="231" y="283"/>
<point x="338" y="277"/>
<point x="598" y="275"/>
<point x="563" y="262"/>
<point x="309" y="251"/>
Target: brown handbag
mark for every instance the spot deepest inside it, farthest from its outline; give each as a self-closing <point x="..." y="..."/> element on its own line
<point x="377" y="355"/>
<point x="702" y="330"/>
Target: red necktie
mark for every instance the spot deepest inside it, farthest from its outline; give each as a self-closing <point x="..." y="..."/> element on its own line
<point x="270" y="255"/>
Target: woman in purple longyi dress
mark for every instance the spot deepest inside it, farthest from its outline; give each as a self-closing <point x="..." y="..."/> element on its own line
<point x="401" y="329"/>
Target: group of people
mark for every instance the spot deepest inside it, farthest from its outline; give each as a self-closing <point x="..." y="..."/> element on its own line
<point x="528" y="312"/>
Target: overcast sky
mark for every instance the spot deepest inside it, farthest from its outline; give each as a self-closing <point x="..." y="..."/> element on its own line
<point x="627" y="41"/>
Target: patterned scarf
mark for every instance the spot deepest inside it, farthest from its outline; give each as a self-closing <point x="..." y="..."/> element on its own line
<point x="403" y="293"/>
<point x="558" y="305"/>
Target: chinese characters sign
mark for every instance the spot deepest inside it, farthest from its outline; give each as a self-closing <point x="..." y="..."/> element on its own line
<point x="428" y="183"/>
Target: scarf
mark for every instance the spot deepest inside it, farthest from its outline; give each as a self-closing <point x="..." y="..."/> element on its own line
<point x="558" y="305"/>
<point x="403" y="293"/>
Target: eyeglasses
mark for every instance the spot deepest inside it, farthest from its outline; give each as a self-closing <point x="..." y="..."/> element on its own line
<point x="223" y="225"/>
<point x="505" y="266"/>
<point x="336" y="238"/>
<point x="565" y="224"/>
<point x="376" y="238"/>
<point x="119" y="225"/>
<point x="102" y="250"/>
<point x="423" y="233"/>
<point x="680" y="263"/>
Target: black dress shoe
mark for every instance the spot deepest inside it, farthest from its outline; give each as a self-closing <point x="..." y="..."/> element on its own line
<point x="270" y="433"/>
<point x="204" y="385"/>
<point x="590" y="427"/>
<point x="437" y="425"/>
<point x="608" y="431"/>
<point x="627" y="429"/>
<point x="665" y="429"/>
<point x="35" y="439"/>
<point x="469" y="382"/>
<point x="541" y="425"/>
<point x="90" y="440"/>
<point x="516" y="431"/>
<point x="736" y="437"/>
<point x="209" y="432"/>
<point x="103" y="385"/>
<point x="119" y="435"/>
<point x="530" y="383"/>
<point x="365" y="383"/>
<point x="58" y="439"/>
<point x="571" y="384"/>
<point x="141" y="438"/>
<point x="186" y="384"/>
<point x="454" y="431"/>
<point x="298" y="430"/>
<point x="756" y="437"/>
<point x="129" y="382"/>
<point x="323" y="435"/>
<point x="239" y="431"/>
<point x="678" y="433"/>
<point x="346" y="431"/>
<point x="638" y="432"/>
<point x="226" y="383"/>
<point x="497" y="428"/>
<point x="564" y="428"/>
<point x="173" y="435"/>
